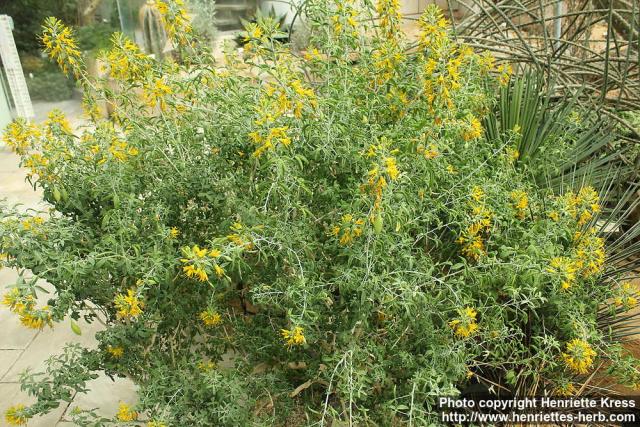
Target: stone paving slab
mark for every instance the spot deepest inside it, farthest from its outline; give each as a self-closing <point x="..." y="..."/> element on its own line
<point x="105" y="395"/>
<point x="7" y="359"/>
<point x="49" y="342"/>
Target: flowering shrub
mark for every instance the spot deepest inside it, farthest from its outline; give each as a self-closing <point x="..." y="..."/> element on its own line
<point x="297" y="239"/>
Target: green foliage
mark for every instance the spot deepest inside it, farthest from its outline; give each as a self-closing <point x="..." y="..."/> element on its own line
<point x="333" y="238"/>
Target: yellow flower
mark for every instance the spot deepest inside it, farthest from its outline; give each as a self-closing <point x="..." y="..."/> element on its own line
<point x="210" y="317"/>
<point x="565" y="268"/>
<point x="565" y="390"/>
<point x="520" y="202"/>
<point x="465" y="325"/>
<point x="115" y="352"/>
<point x="554" y="215"/>
<point x="16" y="415"/>
<point x="174" y="232"/>
<point x="21" y="136"/>
<point x="197" y="272"/>
<point x="477" y="194"/>
<point x="627" y="296"/>
<point x="129" y="306"/>
<point x="36" y="319"/>
<point x="473" y="129"/>
<point x="218" y="270"/>
<point x="504" y="72"/>
<point x="125" y="413"/>
<point x="293" y="337"/>
<point x="391" y="168"/>
<point x="154" y="423"/>
<point x="579" y="356"/>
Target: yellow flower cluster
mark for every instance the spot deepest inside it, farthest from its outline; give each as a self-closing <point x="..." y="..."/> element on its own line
<point x="385" y="169"/>
<point x="565" y="268"/>
<point x="21" y="136"/>
<point x="32" y="223"/>
<point x="198" y="259"/>
<point x="390" y="17"/>
<point x="587" y="259"/>
<point x="24" y="305"/>
<point x="582" y="206"/>
<point x="579" y="356"/>
<point x="174" y="233"/>
<point x="344" y="19"/>
<point x="126" y="62"/>
<point x="120" y="150"/>
<point x="387" y="58"/>
<point x="125" y="413"/>
<point x="60" y="46"/>
<point x="465" y="325"/>
<point x="155" y="93"/>
<point x="589" y="252"/>
<point x="129" y="306"/>
<point x="348" y="230"/>
<point x="433" y="27"/>
<point x="240" y="236"/>
<point x="566" y="389"/>
<point x="116" y="352"/>
<point x="504" y="74"/>
<point x="175" y="19"/>
<point x="472" y="239"/>
<point x="210" y="317"/>
<point x="472" y="128"/>
<point x="294" y="337"/>
<point x="275" y="103"/>
<point x="16" y="415"/>
<point x="627" y="296"/>
<point x="520" y="201"/>
<point x="57" y="123"/>
<point x="429" y="152"/>
<point x="274" y="136"/>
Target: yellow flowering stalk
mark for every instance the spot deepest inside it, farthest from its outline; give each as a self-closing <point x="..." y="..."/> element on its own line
<point x="433" y="27"/>
<point x="294" y="337"/>
<point x="465" y="325"/>
<point x="16" y="415"/>
<point x="579" y="356"/>
<point x="125" y="413"/>
<point x="589" y="252"/>
<point x="565" y="269"/>
<point x="128" y="306"/>
<point x="21" y="136"/>
<point x="60" y="46"/>
<point x="174" y="232"/>
<point x="126" y="62"/>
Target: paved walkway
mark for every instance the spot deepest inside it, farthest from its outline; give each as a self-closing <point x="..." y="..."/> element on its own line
<point x="22" y="348"/>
